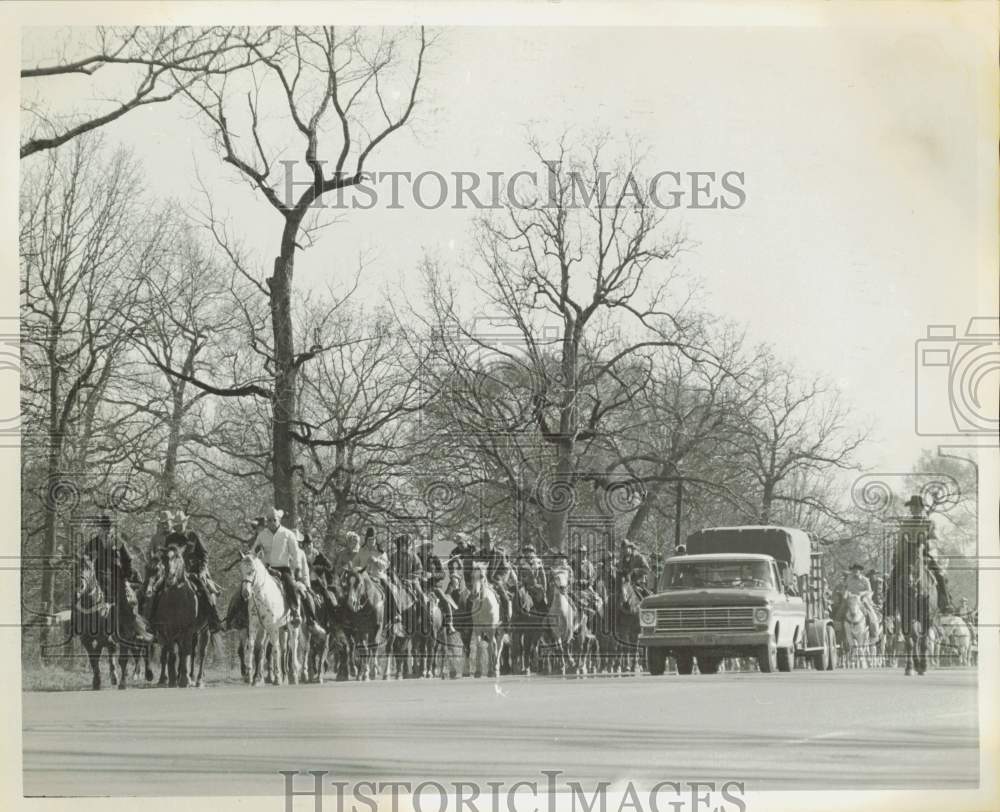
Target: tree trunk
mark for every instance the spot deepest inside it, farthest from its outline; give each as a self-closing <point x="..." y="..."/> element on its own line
<point x="566" y="444"/>
<point x="766" y="500"/>
<point x="283" y="406"/>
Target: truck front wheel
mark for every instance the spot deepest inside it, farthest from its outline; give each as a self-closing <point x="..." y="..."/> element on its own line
<point x="685" y="662"/>
<point x="767" y="656"/>
<point x="708" y="664"/>
<point x="656" y="659"/>
<point x="786" y="659"/>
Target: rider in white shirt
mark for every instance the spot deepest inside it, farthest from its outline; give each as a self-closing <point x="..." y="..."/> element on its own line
<point x="280" y="550"/>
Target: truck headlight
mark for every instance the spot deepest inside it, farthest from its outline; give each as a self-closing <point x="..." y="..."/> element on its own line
<point x="761" y="615"/>
<point x="647" y="617"/>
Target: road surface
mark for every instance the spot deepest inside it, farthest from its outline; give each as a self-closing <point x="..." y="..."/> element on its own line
<point x="802" y="730"/>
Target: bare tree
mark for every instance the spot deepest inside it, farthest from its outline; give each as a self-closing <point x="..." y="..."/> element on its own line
<point x="792" y="428"/>
<point x="558" y="271"/>
<point x="154" y="64"/>
<point x="336" y="89"/>
<point x="86" y="243"/>
<point x="357" y="401"/>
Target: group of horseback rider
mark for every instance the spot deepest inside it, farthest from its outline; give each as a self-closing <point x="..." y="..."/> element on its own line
<point x="412" y="571"/>
<point x="113" y="565"/>
<point x="873" y="588"/>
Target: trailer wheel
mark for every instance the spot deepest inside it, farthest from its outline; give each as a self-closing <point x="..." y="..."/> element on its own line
<point x="685" y="662"/>
<point x="767" y="656"/>
<point x="786" y="659"/>
<point x="656" y="659"/>
<point x="821" y="658"/>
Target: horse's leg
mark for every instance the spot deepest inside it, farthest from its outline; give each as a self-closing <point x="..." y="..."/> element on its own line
<point x="164" y="662"/>
<point x="112" y="666"/>
<point x="93" y="649"/>
<point x="147" y="655"/>
<point x="183" y="652"/>
<point x="124" y="655"/>
<point x="324" y="652"/>
<point x="171" y="654"/>
<point x="202" y="651"/>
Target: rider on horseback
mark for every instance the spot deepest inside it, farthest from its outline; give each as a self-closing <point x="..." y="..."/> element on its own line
<point x="586" y="575"/>
<point x="195" y="556"/>
<point x="858" y="584"/>
<point x="112" y="567"/>
<point x="634" y="567"/>
<point x="498" y="571"/>
<point x="405" y="568"/>
<point x="303" y="583"/>
<point x="279" y="549"/>
<point x="531" y="570"/>
<point x="916" y="506"/>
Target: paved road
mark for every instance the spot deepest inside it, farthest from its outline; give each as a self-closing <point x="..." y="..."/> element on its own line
<point x="803" y="730"/>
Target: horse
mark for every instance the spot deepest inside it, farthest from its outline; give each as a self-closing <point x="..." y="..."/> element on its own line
<point x="95" y="622"/>
<point x="958" y="639"/>
<point x="461" y="616"/>
<point x="527" y="619"/>
<point x="587" y="646"/>
<point x="560" y="624"/>
<point x="912" y="597"/>
<point x="269" y="622"/>
<point x="316" y="637"/>
<point x="486" y="626"/>
<point x="626" y="616"/>
<point x="856" y="637"/>
<point x="175" y="621"/>
<point x="364" y="605"/>
<point x="425" y="624"/>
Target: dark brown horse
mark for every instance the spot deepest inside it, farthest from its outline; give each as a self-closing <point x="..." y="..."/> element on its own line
<point x="176" y="621"/>
<point x="97" y="621"/>
<point x="526" y="627"/>
<point x="623" y="609"/>
<point x="912" y="599"/>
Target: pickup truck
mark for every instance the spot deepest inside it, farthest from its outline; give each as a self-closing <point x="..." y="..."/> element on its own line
<point x="751" y="596"/>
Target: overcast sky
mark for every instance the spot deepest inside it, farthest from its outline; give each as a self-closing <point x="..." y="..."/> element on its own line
<point x="868" y="168"/>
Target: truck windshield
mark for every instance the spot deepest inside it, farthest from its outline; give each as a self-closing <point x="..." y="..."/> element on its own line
<point x="717" y="574"/>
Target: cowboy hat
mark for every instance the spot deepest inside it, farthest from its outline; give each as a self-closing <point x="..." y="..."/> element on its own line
<point x="276" y="514"/>
<point x="914" y="502"/>
<point x="855" y="567"/>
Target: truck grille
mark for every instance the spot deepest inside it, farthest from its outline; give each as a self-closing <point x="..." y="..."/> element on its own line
<point x="716" y="619"/>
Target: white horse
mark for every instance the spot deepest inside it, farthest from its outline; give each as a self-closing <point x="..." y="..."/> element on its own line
<point x="957" y="639"/>
<point x="856" y="631"/>
<point x="268" y="623"/>
<point x="484" y="607"/>
<point x="561" y="624"/>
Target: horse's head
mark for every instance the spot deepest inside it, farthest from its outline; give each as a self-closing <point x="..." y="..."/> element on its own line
<point x="478" y="579"/>
<point x="86" y="577"/>
<point x="248" y="564"/>
<point x="354" y="591"/>
<point x="855" y="611"/>
<point x="175" y="566"/>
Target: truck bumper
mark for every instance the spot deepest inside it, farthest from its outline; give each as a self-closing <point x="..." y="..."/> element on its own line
<point x="653" y="639"/>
